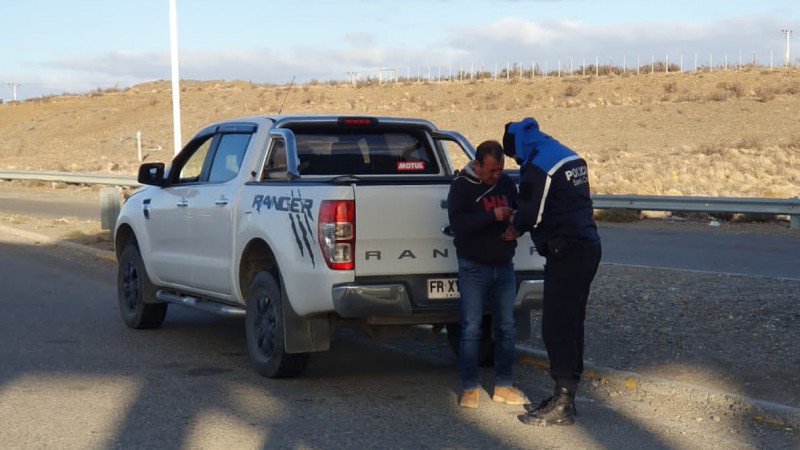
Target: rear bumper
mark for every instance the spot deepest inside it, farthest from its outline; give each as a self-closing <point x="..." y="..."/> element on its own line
<point x="408" y="299"/>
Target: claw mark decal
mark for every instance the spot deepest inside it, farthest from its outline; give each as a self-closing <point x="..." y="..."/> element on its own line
<point x="299" y="211"/>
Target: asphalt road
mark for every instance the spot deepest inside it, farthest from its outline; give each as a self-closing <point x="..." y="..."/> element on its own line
<point x="674" y="247"/>
<point x="707" y="250"/>
<point x="74" y="377"/>
<point x="51" y="207"/>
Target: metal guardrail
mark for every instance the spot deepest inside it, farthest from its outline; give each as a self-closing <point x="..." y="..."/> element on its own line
<point x="742" y="205"/>
<point x="70" y="177"/>
<point x="745" y="205"/>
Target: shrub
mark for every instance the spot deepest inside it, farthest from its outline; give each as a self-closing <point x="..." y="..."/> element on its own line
<point x="719" y="96"/>
<point x="735" y="89"/>
<point x="692" y="215"/>
<point x="793" y="144"/>
<point x="687" y="97"/>
<point x="765" y="94"/>
<point x="750" y="142"/>
<point x="572" y="91"/>
<point x="792" y="88"/>
<point x="711" y="149"/>
<point x="723" y="216"/>
<point x="755" y="218"/>
<point x="617" y="215"/>
<point x="491" y="96"/>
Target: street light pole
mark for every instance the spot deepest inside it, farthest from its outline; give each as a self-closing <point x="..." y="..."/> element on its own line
<point x="176" y="91"/>
<point x="786" y="59"/>
<point x="13" y="90"/>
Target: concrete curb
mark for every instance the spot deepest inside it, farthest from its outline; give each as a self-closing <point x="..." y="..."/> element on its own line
<point x="43" y="239"/>
<point x="763" y="411"/>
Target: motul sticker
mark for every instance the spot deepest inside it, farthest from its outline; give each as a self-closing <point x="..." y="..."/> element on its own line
<point x="410" y="165"/>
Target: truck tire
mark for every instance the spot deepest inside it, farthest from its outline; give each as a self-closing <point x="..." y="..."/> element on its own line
<point x="135" y="292"/>
<point x="486" y="346"/>
<point x="264" y="331"/>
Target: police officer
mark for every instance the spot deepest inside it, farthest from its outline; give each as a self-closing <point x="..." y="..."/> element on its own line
<point x="555" y="206"/>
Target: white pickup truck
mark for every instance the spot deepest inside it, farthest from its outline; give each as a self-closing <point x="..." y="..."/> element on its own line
<point x="302" y="224"/>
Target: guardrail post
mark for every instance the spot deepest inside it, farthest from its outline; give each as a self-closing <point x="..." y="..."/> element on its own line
<point x="794" y="221"/>
<point x="109" y="206"/>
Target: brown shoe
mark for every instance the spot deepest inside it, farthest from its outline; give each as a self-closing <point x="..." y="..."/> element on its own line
<point x="469" y="399"/>
<point x="509" y="395"/>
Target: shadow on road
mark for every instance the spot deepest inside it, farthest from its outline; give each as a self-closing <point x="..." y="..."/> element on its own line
<point x="73" y="376"/>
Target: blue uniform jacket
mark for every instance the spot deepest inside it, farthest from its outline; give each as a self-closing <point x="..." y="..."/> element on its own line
<point x="554" y="198"/>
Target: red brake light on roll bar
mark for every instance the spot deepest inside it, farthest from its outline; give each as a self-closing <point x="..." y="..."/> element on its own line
<point x="358" y="121"/>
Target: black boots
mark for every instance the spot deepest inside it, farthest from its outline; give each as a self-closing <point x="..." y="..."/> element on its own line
<point x="556" y="410"/>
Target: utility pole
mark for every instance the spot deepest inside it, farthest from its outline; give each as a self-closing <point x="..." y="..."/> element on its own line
<point x="786" y="59"/>
<point x="13" y="91"/>
<point x="176" y="91"/>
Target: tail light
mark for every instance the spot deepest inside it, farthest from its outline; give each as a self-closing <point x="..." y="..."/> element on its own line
<point x="337" y="233"/>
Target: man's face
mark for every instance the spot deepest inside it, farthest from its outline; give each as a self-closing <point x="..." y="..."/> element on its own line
<point x="491" y="169"/>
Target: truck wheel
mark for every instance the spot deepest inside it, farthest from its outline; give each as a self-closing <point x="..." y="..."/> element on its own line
<point x="136" y="294"/>
<point x="486" y="346"/>
<point x="264" y="331"/>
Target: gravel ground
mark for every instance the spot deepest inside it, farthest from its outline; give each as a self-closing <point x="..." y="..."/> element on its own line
<point x="736" y="334"/>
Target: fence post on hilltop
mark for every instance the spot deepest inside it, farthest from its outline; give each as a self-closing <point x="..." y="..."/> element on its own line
<point x="139" y="145"/>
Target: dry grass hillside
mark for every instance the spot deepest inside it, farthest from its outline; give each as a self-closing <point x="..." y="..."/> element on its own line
<point x="721" y="133"/>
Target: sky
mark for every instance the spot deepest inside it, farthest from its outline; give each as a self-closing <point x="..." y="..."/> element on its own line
<point x="51" y="47"/>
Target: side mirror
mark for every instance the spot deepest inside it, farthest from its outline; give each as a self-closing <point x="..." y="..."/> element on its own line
<point x="151" y="174"/>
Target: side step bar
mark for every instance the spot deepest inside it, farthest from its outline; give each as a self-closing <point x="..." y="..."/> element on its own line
<point x="203" y="305"/>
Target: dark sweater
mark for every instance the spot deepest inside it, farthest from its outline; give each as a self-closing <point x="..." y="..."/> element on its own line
<point x="470" y="207"/>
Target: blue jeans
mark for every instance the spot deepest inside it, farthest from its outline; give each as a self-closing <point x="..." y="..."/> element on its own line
<point x="490" y="288"/>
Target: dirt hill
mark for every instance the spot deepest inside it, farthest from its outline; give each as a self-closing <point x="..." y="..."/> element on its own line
<point x="720" y="133"/>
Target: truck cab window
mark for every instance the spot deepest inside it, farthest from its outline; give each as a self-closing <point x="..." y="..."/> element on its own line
<point x="228" y="157"/>
<point x="275" y="167"/>
<point x="192" y="167"/>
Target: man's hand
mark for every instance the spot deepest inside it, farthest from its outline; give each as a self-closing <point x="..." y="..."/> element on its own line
<point x="502" y="213"/>
<point x="510" y="234"/>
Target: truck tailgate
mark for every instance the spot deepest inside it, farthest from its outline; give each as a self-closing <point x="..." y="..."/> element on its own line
<point x="399" y="232"/>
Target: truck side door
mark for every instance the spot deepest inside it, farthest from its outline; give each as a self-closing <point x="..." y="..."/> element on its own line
<point x="167" y="212"/>
<point x="211" y="211"/>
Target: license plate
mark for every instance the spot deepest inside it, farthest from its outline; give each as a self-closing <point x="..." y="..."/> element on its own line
<point x="441" y="288"/>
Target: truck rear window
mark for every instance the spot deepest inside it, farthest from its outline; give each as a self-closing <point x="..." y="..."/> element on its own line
<point x="365" y="153"/>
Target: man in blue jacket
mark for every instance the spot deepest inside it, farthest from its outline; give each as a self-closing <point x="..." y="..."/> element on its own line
<point x="555" y="206"/>
<point x="479" y="205"/>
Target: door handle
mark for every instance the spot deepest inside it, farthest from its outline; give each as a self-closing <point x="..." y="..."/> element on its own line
<point x="222" y="201"/>
<point x="182" y="203"/>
